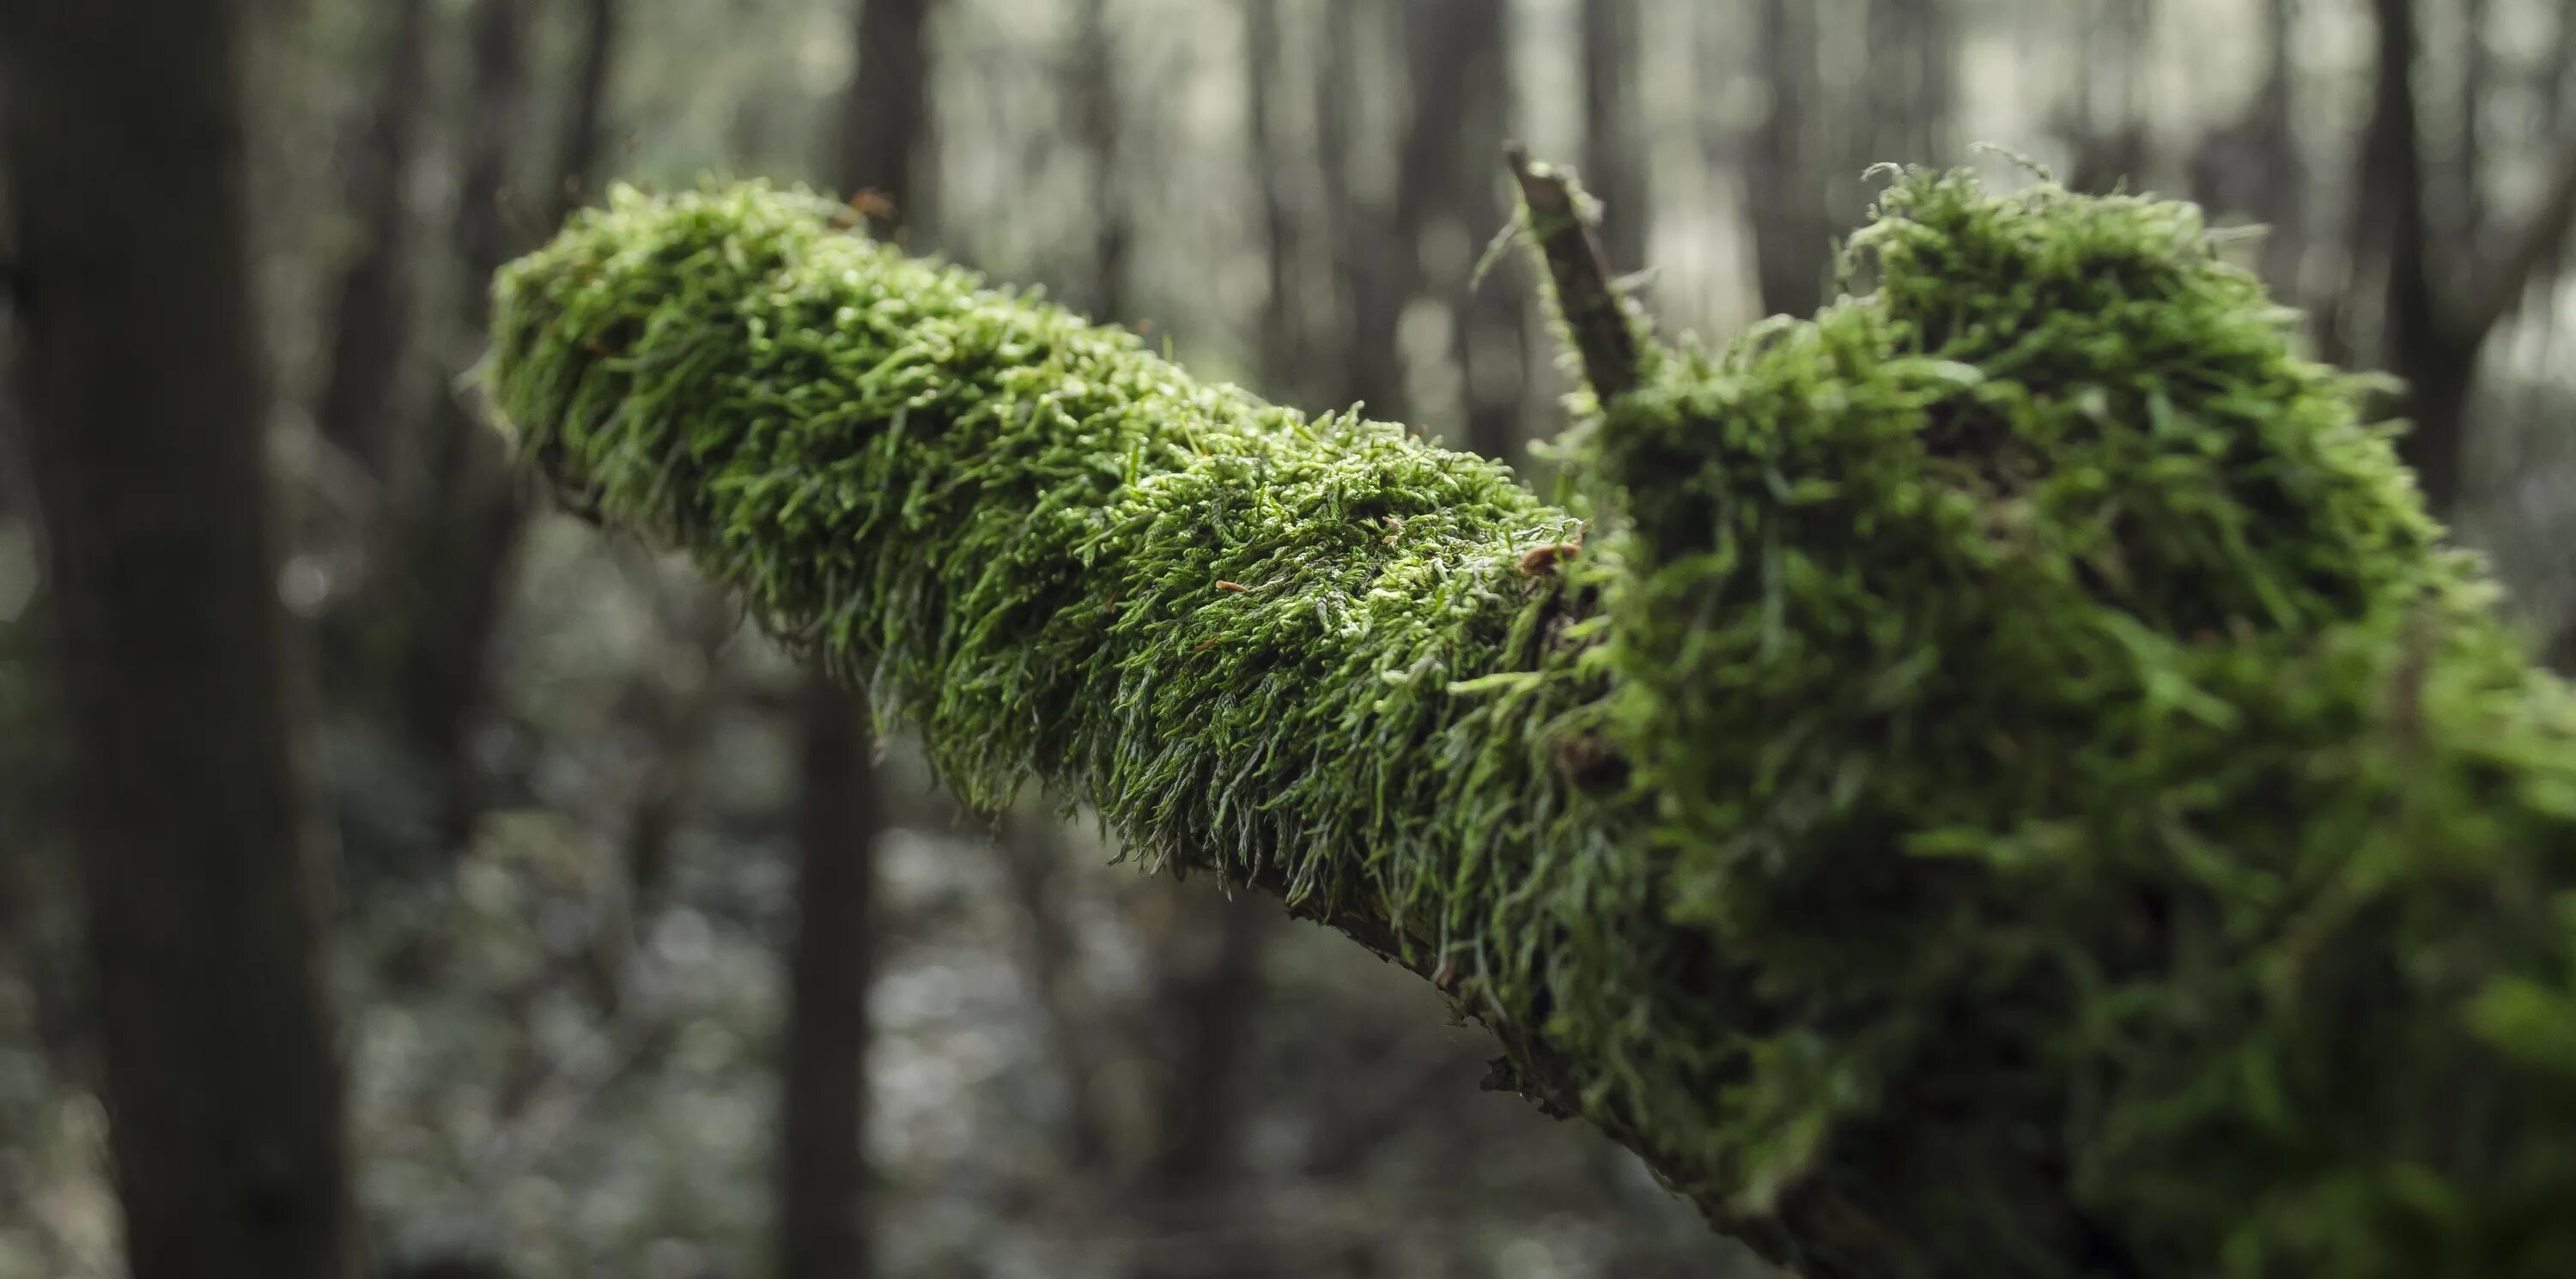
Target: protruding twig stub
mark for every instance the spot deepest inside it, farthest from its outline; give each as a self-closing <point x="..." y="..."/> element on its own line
<point x="1579" y="270"/>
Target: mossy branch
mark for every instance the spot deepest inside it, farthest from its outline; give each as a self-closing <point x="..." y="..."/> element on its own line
<point x="2013" y="788"/>
<point x="1598" y="325"/>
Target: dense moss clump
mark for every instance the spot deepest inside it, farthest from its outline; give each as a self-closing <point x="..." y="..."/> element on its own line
<point x="2012" y="785"/>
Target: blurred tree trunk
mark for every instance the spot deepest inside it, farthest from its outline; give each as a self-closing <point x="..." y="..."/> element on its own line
<point x="1370" y="375"/>
<point x="1097" y="121"/>
<point x="1208" y="1001"/>
<point x="1033" y="861"/>
<point x="823" y="1167"/>
<point x="823" y="1230"/>
<point x="2419" y="346"/>
<point x="886" y="114"/>
<point x="1792" y="227"/>
<point x="577" y="155"/>
<point x="1457" y="77"/>
<point x="370" y="321"/>
<point x="458" y="513"/>
<point x="1280" y="354"/>
<point x="2110" y="118"/>
<point x="1614" y="127"/>
<point x="1489" y="331"/>
<point x="2433" y="327"/>
<point x="2254" y="167"/>
<point x="1913" y="83"/>
<point x="146" y="425"/>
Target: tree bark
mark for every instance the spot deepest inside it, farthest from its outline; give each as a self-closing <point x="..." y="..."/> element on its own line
<point x="1614" y="127"/>
<point x="1792" y="235"/>
<point x="1095" y="82"/>
<point x="2255" y="166"/>
<point x="584" y="127"/>
<point x="1489" y="318"/>
<point x="1208" y="1001"/>
<point x="147" y="414"/>
<point x="1279" y="338"/>
<point x="823" y="1217"/>
<point x="2421" y="345"/>
<point x="371" y="317"/>
<point x="823" y="1120"/>
<point x="885" y="115"/>
<point x="2433" y="331"/>
<point x="456" y="515"/>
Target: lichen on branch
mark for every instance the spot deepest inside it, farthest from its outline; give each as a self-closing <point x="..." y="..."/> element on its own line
<point x="2012" y="785"/>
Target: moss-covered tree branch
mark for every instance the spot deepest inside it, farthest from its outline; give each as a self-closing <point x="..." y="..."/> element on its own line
<point x="2009" y="786"/>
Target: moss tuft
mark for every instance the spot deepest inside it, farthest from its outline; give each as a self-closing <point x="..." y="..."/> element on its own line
<point x="2014" y="788"/>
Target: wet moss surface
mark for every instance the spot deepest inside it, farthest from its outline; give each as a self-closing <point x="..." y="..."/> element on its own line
<point x="2006" y="781"/>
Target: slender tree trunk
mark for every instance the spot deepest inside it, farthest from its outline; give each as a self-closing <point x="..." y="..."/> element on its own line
<point x="1371" y="272"/>
<point x="1097" y="121"/>
<point x="1210" y="993"/>
<point x="1614" y="130"/>
<point x="457" y="522"/>
<point x="1792" y="235"/>
<point x="1279" y="352"/>
<point x="1210" y="997"/>
<point x="457" y="513"/>
<point x="2281" y="199"/>
<point x="886" y="114"/>
<point x="823" y="1168"/>
<point x="823" y="1230"/>
<point x="577" y="157"/>
<point x="1912" y="88"/>
<point x="2415" y="331"/>
<point x="1457" y="80"/>
<point x="146" y="420"/>
<point x="1033" y="862"/>
<point x="1489" y="323"/>
<point x="371" y="317"/>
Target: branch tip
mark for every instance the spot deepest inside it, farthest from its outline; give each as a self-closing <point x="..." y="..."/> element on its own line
<point x="1568" y="239"/>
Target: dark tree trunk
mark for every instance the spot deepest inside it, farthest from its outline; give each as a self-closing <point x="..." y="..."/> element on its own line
<point x="457" y="520"/>
<point x="1491" y="337"/>
<point x="886" y="113"/>
<point x="146" y="422"/>
<point x="1279" y="354"/>
<point x="1614" y="128"/>
<point x="2110" y="118"/>
<point x="1792" y="232"/>
<point x="2433" y="328"/>
<point x="457" y="513"/>
<point x="2420" y="346"/>
<point x="1912" y="86"/>
<point x="2254" y="166"/>
<point x="823" y="1230"/>
<point x="823" y="1169"/>
<point x="1209" y="999"/>
<point x="371" y="317"/>
<point x="1366" y="263"/>
<point x="577" y="158"/>
<point x="1210" y="996"/>
<point x="1457" y="81"/>
<point x="2280" y="195"/>
<point x="1097" y="121"/>
<point x="1034" y="862"/>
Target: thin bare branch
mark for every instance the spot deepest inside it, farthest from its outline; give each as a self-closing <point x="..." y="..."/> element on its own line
<point x="1604" y="337"/>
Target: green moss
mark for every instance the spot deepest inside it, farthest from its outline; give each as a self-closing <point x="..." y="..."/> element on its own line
<point x="2016" y="788"/>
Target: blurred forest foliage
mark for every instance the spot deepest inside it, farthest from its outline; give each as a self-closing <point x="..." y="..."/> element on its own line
<point x="581" y="811"/>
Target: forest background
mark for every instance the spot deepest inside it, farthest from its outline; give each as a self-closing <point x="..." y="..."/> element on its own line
<point x="579" y="812"/>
